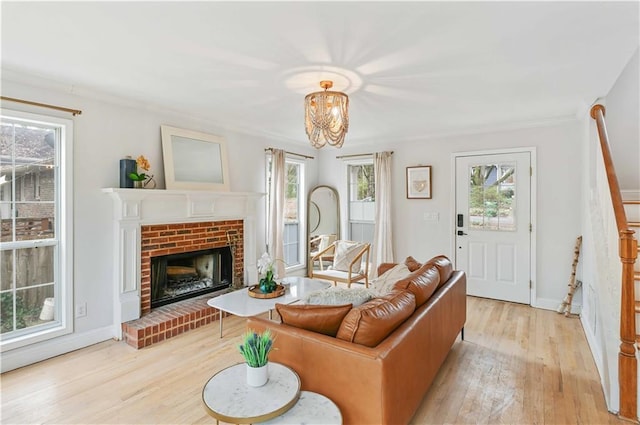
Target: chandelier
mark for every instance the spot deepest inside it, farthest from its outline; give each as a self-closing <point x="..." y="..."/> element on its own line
<point x="326" y="116"/>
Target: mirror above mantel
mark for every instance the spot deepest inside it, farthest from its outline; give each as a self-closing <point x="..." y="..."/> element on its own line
<point x="323" y="217"/>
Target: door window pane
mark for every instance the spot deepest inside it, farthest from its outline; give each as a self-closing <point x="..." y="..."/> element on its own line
<point x="492" y="196"/>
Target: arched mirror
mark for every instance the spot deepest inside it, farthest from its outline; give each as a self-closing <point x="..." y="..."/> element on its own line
<point x="323" y="218"/>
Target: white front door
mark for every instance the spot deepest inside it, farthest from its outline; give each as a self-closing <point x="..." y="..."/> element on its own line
<point x="493" y="224"/>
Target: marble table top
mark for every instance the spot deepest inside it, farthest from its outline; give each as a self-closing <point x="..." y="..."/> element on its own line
<point x="228" y="397"/>
<point x="239" y="303"/>
<point x="311" y="408"/>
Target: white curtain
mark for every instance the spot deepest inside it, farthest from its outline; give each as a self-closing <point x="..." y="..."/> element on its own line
<point x="275" y="239"/>
<point x="382" y="234"/>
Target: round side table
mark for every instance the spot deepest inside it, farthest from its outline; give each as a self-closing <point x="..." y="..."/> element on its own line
<point x="227" y="397"/>
<point x="311" y="408"/>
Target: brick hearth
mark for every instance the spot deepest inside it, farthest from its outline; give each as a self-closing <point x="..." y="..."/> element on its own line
<point x="168" y="321"/>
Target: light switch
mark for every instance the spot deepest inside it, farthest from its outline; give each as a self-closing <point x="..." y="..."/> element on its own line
<point x="431" y="216"/>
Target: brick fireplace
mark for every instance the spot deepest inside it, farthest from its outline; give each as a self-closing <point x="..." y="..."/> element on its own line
<point x="152" y="223"/>
<point x="166" y="239"/>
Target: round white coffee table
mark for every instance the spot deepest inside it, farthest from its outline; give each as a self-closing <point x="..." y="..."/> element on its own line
<point x="311" y="408"/>
<point x="227" y="397"/>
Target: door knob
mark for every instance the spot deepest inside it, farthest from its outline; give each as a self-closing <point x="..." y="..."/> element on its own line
<point x="461" y="233"/>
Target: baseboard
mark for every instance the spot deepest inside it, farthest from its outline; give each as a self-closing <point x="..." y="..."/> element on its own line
<point x="34" y="353"/>
<point x="597" y="356"/>
<point x="549" y="304"/>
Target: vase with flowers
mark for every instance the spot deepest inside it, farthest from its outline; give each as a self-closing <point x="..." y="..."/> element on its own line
<point x="255" y="348"/>
<point x="142" y="179"/>
<point x="266" y="270"/>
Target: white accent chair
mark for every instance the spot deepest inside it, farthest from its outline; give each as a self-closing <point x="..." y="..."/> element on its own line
<point x="350" y="263"/>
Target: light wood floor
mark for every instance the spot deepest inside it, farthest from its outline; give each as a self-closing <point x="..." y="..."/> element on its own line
<point x="517" y="365"/>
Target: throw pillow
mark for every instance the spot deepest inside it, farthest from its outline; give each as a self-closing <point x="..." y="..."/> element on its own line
<point x="371" y="322"/>
<point x="322" y="319"/>
<point x="383" y="284"/>
<point x="345" y="252"/>
<point x="339" y="296"/>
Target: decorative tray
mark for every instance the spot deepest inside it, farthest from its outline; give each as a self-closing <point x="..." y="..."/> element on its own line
<point x="255" y="292"/>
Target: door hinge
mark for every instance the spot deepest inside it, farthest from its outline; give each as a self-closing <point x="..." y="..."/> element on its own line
<point x="530" y="227"/>
<point x="530" y="284"/>
<point x="530" y="171"/>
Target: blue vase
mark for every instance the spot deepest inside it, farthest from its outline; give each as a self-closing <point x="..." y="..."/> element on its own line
<point x="127" y="166"/>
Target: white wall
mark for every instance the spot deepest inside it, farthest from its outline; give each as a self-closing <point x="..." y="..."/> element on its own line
<point x="107" y="130"/>
<point x="622" y="116"/>
<point x="559" y="172"/>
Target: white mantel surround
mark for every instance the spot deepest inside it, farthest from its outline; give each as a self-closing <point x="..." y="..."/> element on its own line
<point x="136" y="207"/>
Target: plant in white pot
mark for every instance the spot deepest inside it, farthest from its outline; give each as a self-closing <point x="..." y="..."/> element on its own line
<point x="255" y="349"/>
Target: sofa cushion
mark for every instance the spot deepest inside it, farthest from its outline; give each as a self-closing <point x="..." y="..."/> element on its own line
<point x="324" y="319"/>
<point x="371" y="322"/>
<point x="345" y="252"/>
<point x="444" y="266"/>
<point x="422" y="283"/>
<point x="383" y="284"/>
<point x="339" y="296"/>
<point x="412" y="264"/>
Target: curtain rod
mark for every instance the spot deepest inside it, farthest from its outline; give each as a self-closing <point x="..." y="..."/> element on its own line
<point x="292" y="153"/>
<point x="74" y="112"/>
<point x="356" y="154"/>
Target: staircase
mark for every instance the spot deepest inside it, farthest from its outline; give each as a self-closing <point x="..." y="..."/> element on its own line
<point x="632" y="210"/>
<point x="628" y="252"/>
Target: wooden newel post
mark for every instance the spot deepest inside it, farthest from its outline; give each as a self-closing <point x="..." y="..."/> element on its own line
<point x="627" y="364"/>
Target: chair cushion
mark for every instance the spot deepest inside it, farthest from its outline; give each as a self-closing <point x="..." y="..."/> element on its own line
<point x="422" y="283"/>
<point x="383" y="284"/>
<point x="324" y="319"/>
<point x="371" y="322"/>
<point x="339" y="296"/>
<point x="345" y="252"/>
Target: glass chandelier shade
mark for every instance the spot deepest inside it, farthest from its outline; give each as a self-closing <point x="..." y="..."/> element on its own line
<point x="326" y="116"/>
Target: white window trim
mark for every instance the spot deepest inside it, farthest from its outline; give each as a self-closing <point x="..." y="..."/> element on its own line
<point x="64" y="233"/>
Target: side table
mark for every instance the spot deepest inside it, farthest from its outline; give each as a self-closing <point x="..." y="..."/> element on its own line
<point x="311" y="408"/>
<point x="227" y="397"/>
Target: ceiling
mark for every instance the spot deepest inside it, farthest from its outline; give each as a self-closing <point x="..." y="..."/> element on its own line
<point x="413" y="70"/>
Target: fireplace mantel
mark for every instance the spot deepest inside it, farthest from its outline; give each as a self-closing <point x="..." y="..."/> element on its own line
<point x="136" y="207"/>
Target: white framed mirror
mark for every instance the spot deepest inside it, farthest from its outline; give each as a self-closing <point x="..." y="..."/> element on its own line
<point x="194" y="160"/>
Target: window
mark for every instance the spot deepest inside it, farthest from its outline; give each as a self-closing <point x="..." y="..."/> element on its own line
<point x="294" y="249"/>
<point x="491" y="197"/>
<point x="362" y="200"/>
<point x="35" y="214"/>
<point x="293" y="209"/>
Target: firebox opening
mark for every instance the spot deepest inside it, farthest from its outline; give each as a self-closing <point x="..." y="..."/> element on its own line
<point x="177" y="277"/>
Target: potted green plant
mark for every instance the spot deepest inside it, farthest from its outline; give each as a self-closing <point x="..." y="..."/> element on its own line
<point x="255" y="348"/>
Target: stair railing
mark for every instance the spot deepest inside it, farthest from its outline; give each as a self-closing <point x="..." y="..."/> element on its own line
<point x="628" y="251"/>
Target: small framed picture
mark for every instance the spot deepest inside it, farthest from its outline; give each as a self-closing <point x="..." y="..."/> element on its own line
<point x="419" y="182"/>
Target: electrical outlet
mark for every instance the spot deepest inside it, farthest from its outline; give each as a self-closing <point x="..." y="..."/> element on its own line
<point x="81" y="309"/>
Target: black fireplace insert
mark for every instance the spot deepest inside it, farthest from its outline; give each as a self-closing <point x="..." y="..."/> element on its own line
<point x="176" y="277"/>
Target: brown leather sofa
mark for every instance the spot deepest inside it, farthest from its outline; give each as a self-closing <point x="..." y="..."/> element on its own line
<point x="385" y="383"/>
